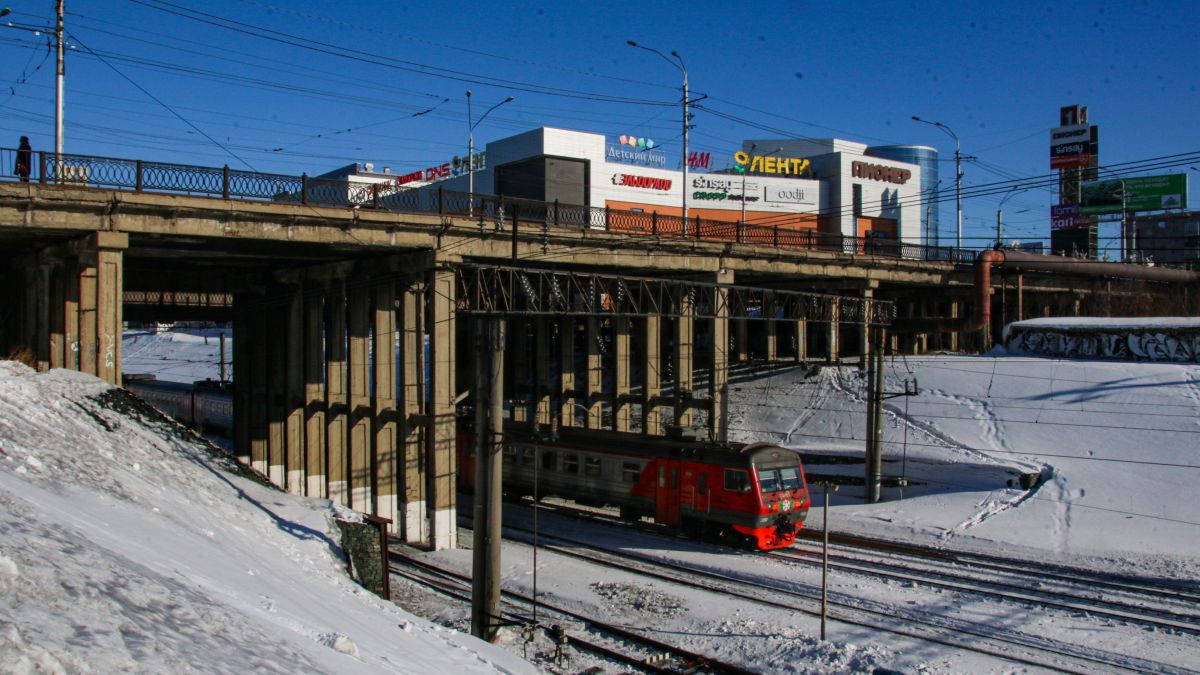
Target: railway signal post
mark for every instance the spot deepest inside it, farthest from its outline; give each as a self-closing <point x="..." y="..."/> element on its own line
<point x="826" y="485"/>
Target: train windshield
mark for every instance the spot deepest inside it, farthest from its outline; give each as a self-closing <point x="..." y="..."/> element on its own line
<point x="785" y="478"/>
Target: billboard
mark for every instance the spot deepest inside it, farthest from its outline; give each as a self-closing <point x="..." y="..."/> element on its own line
<point x="1066" y="216"/>
<point x="1141" y="193"/>
<point x="635" y="150"/>
<point x="1072" y="146"/>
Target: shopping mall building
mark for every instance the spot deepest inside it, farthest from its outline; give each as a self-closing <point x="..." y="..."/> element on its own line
<point x="831" y="187"/>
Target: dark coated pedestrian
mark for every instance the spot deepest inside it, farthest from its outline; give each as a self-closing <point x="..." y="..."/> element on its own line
<point x="24" y="159"/>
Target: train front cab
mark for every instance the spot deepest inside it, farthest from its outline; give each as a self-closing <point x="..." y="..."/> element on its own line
<point x="778" y="485"/>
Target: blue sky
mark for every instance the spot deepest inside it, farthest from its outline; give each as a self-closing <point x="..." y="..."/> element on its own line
<point x="996" y="73"/>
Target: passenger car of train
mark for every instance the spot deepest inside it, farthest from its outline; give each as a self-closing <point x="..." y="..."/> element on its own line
<point x="753" y="494"/>
<point x="204" y="405"/>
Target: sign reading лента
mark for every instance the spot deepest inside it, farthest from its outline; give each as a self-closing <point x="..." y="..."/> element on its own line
<point x="784" y="166"/>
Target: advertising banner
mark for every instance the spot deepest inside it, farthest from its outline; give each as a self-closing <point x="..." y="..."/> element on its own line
<point x="1065" y="217"/>
<point x="635" y="150"/>
<point x="1072" y="146"/>
<point x="1141" y="193"/>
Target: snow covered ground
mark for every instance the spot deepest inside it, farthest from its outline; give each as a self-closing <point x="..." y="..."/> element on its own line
<point x="126" y="547"/>
<point x="1114" y="446"/>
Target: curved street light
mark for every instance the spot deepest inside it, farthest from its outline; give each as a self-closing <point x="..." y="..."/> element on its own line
<point x="957" y="174"/>
<point x="471" y="150"/>
<point x="1000" y="211"/>
<point x="678" y="63"/>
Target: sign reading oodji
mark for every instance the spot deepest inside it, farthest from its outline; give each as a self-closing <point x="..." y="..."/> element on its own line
<point x="647" y="182"/>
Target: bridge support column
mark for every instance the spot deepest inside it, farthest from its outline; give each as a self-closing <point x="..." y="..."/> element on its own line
<point x="623" y="362"/>
<point x="685" y="326"/>
<point x="415" y="524"/>
<point x="99" y="279"/>
<point x="519" y="370"/>
<point x="242" y="377"/>
<point x="276" y="338"/>
<point x="294" y="392"/>
<point x="360" y="412"/>
<point x="256" y="382"/>
<point x="384" y="404"/>
<point x="772" y="340"/>
<point x="595" y="375"/>
<point x="440" y="431"/>
<point x="314" y="395"/>
<point x="741" y="340"/>
<point x="835" y="318"/>
<point x="566" y="349"/>
<point x="542" y="358"/>
<point x="652" y="387"/>
<point x="801" y="340"/>
<point x="336" y="396"/>
<point x="718" y="381"/>
<point x="864" y="341"/>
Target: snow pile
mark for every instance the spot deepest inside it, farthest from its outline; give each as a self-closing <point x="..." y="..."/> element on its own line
<point x="127" y="547"/>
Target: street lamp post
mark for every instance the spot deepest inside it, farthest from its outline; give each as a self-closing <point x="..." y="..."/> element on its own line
<point x="683" y="69"/>
<point x="471" y="150"/>
<point x="957" y="174"/>
<point x="999" y="212"/>
<point x="750" y="154"/>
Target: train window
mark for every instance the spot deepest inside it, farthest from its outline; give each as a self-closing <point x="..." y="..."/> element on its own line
<point x="631" y="471"/>
<point x="591" y="466"/>
<point x="527" y="456"/>
<point x="774" y="480"/>
<point x="510" y="455"/>
<point x="769" y="480"/>
<point x="549" y="460"/>
<point x="737" y="480"/>
<point x="789" y="478"/>
<point x="570" y="464"/>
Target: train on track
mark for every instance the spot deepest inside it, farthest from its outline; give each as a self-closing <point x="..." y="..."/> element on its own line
<point x="205" y="405"/>
<point x="742" y="494"/>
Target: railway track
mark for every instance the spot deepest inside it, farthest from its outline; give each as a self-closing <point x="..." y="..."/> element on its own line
<point x="960" y="633"/>
<point x="603" y="639"/>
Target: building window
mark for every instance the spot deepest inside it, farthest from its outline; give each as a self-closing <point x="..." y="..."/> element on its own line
<point x="858" y="199"/>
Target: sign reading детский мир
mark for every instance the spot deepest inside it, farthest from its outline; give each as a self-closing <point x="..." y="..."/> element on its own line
<point x="635" y="150"/>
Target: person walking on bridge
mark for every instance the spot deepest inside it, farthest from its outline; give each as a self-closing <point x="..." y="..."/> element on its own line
<point x="24" y="159"/>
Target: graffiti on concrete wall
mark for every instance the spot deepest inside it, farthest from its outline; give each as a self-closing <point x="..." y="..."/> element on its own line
<point x="1147" y="345"/>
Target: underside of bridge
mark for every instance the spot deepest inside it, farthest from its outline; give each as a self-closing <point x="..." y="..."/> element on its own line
<point x="355" y="333"/>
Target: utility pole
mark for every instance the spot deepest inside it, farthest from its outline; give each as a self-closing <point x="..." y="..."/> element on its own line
<point x="825" y="554"/>
<point x="874" y="445"/>
<point x="489" y="427"/>
<point x="60" y="86"/>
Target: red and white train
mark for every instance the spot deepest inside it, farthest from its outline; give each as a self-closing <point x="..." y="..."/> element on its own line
<point x="744" y="494"/>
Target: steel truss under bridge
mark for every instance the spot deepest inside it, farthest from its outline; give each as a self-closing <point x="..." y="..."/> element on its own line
<point x="505" y="290"/>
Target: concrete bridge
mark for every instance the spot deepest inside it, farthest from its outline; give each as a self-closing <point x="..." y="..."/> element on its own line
<point x="353" y="349"/>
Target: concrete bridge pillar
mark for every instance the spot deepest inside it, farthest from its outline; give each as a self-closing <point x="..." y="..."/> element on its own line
<point x="741" y="340"/>
<point x="652" y="371"/>
<point x="835" y="317"/>
<point x="623" y="375"/>
<point x="718" y="381"/>
<point x="801" y="340"/>
<point x="294" y="390"/>
<point x="518" y="369"/>
<point x="337" y="399"/>
<point x="91" y="307"/>
<point x="440" y="439"/>
<point x="414" y="519"/>
<point x="683" y="365"/>
<point x="542" y="370"/>
<point x="385" y="418"/>
<point x="359" y="389"/>
<point x="864" y="322"/>
<point x="772" y="340"/>
<point x="566" y="349"/>
<point x="315" y="460"/>
<point x="595" y="375"/>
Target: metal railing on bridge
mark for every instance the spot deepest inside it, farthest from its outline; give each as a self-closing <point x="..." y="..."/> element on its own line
<point x="149" y="176"/>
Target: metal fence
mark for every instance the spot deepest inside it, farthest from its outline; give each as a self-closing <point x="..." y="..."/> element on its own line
<point x="140" y="175"/>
